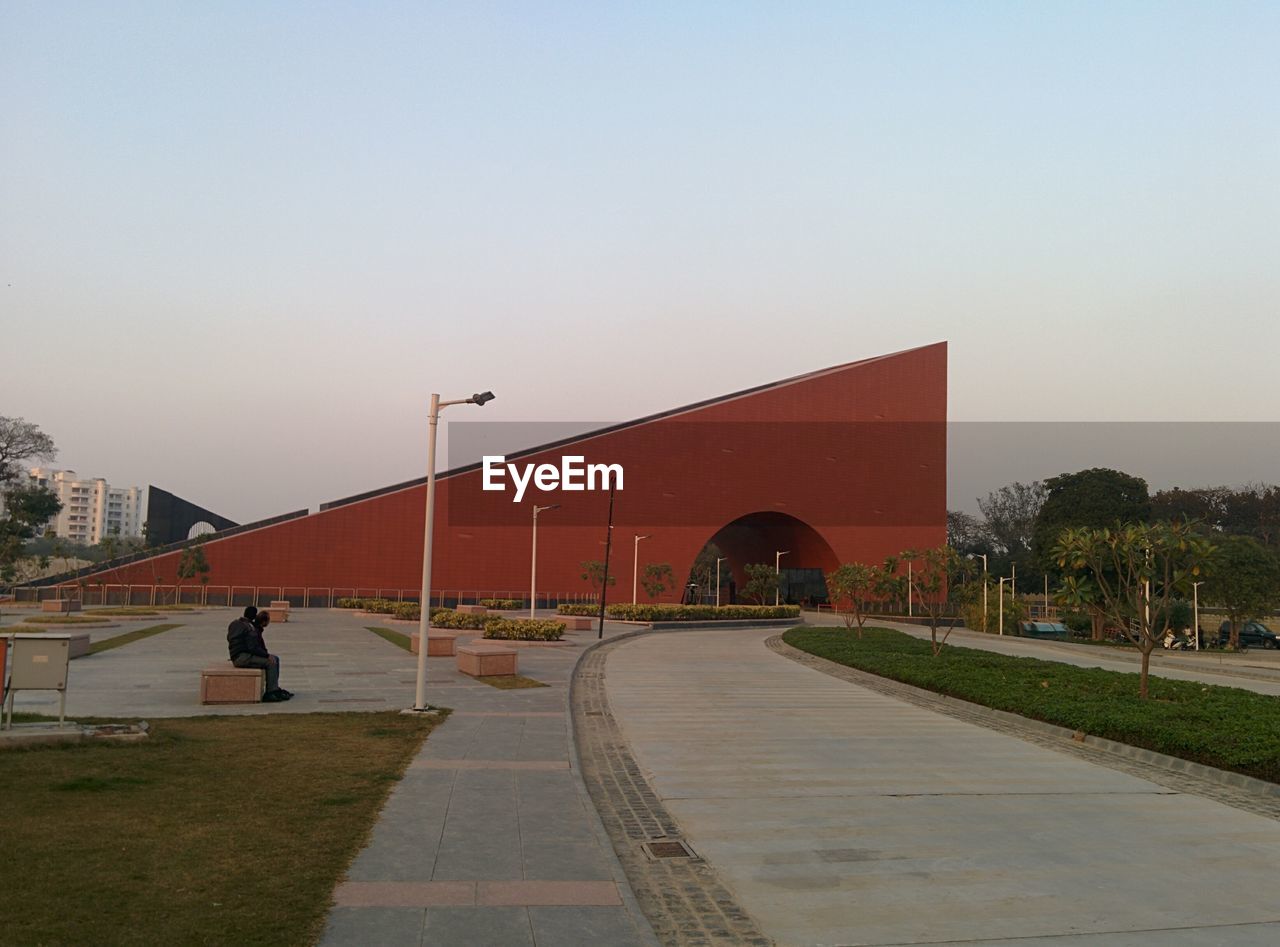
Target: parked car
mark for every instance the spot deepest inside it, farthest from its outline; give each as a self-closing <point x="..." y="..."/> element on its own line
<point x="1044" y="629"/>
<point x="1252" y="633"/>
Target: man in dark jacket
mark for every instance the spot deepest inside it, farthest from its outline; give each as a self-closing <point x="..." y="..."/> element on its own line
<point x="248" y="650"/>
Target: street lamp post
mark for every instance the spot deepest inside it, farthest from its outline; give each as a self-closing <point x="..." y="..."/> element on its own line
<point x="1195" y="611"/>
<point x="909" y="589"/>
<point x="718" y="561"/>
<point x="635" y="566"/>
<point x="1000" y="595"/>
<point x="424" y="618"/>
<point x="983" y="557"/>
<point x="777" y="572"/>
<point x="533" y="572"/>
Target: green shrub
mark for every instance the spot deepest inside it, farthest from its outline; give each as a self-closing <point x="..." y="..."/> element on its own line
<point x="582" y="611"/>
<point x="522" y="629"/>
<point x="502" y="604"/>
<point x="448" y="618"/>
<point x="625" y="611"/>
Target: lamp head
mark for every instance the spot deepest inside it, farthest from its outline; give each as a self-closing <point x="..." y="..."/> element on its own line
<point x="482" y="397"/>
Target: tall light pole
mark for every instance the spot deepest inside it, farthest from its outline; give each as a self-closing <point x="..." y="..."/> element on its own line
<point x="635" y="565"/>
<point x="909" y="589"/>
<point x="1195" y="611"/>
<point x="1000" y="595"/>
<point x="424" y="619"/>
<point x="777" y="572"/>
<point x="533" y="572"/>
<point x="983" y="557"/>
<point x="718" y="561"/>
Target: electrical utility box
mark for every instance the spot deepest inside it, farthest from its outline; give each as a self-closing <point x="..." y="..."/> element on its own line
<point x="39" y="663"/>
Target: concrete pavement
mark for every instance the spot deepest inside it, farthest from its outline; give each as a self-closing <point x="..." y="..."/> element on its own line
<point x="842" y="816"/>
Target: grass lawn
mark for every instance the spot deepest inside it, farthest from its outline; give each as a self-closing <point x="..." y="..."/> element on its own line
<point x="66" y="619"/>
<point x="397" y="638"/>
<point x="1219" y="726"/>
<point x="128" y="637"/>
<point x="125" y="610"/>
<point x="510" y="682"/>
<point x="215" y="830"/>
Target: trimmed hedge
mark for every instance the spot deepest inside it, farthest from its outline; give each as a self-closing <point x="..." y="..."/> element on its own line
<point x="502" y="604"/>
<point x="523" y="629"/>
<point x="1225" y="727"/>
<point x="625" y="611"/>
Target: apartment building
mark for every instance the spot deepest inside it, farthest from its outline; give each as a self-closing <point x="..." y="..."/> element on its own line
<point x="92" y="509"/>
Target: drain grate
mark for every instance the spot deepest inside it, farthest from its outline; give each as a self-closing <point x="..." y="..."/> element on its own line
<point x="668" y="849"/>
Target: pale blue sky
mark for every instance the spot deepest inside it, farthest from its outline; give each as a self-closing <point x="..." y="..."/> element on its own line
<point x="231" y="225"/>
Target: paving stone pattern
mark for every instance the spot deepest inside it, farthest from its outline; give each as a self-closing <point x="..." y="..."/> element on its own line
<point x="683" y="898"/>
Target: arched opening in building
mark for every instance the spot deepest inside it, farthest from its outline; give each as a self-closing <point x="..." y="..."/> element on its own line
<point x="758" y="538"/>
<point x="200" y="529"/>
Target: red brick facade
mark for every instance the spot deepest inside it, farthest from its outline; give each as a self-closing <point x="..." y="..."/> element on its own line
<point x="844" y="464"/>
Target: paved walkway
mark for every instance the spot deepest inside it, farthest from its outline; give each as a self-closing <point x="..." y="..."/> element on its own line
<point x="838" y="815"/>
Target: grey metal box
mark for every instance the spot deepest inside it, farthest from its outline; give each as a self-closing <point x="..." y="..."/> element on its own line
<point x="39" y="662"/>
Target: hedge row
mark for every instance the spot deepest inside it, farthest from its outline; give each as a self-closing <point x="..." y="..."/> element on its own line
<point x="502" y="604"/>
<point x="625" y="611"/>
<point x="448" y="618"/>
<point x="523" y="629"/>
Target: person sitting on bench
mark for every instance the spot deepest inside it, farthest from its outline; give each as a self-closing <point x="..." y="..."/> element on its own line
<point x="248" y="650"/>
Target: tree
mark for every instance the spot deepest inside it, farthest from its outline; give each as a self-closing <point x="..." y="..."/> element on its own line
<point x="937" y="577"/>
<point x="24" y="507"/>
<point x="191" y="563"/>
<point x="657" y="578"/>
<point x="1095" y="498"/>
<point x="593" y="574"/>
<point x="1079" y="593"/>
<point x="1245" y="581"/>
<point x="703" y="572"/>
<point x="852" y="585"/>
<point x="968" y="535"/>
<point x="1139" y="571"/>
<point x="1011" y="514"/>
<point x="762" y="583"/>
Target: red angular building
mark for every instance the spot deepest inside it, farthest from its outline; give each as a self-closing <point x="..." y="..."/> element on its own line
<point x="838" y="465"/>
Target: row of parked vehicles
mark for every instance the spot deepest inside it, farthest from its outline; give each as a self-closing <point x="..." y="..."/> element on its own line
<point x="1253" y="634"/>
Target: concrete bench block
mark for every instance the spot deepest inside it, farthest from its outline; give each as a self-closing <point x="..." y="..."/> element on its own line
<point x="78" y="645"/>
<point x="60" y="605"/>
<point x="440" y="644"/>
<point x="228" y="684"/>
<point x="487" y="660"/>
<point x="575" y="622"/>
<point x="279" y="611"/>
<point x="471" y="610"/>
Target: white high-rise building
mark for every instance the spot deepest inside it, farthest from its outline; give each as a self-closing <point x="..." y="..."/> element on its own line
<point x="92" y="510"/>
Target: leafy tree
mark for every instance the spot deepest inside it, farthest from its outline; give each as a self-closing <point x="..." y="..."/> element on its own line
<point x="192" y="563"/>
<point x="657" y="578"/>
<point x="937" y="577"/>
<point x="968" y="535"/>
<point x="1079" y="593"/>
<point x="703" y="571"/>
<point x="1011" y="514"/>
<point x="891" y="587"/>
<point x="1139" y="571"/>
<point x="1095" y="498"/>
<point x="1245" y="581"/>
<point x="24" y="508"/>
<point x="762" y="583"/>
<point x="593" y="575"/>
<point x="851" y="586"/>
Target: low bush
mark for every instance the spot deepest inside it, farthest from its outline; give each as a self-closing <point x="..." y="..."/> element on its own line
<point x="625" y="611"/>
<point x="502" y="604"/>
<point x="1224" y="727"/>
<point x="580" y="610"/>
<point x="522" y="629"/>
<point x="448" y="618"/>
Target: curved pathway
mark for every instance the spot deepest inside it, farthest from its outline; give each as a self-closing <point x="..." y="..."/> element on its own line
<point x="836" y="814"/>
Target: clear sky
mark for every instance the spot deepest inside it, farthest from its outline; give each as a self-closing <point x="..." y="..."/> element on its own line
<point x="241" y="243"/>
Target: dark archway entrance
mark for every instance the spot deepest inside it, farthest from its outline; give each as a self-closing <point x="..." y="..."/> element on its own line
<point x="757" y="537"/>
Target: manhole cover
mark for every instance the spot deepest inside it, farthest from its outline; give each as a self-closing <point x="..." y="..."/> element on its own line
<point x="668" y="849"/>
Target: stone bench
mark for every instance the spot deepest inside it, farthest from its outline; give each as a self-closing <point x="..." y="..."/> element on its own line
<point x="228" y="684"/>
<point x="60" y="605"/>
<point x="77" y="644"/>
<point x="575" y="622"/>
<point x="280" y="611"/>
<point x="440" y="643"/>
<point x="471" y="610"/>
<point x="486" y="660"/>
